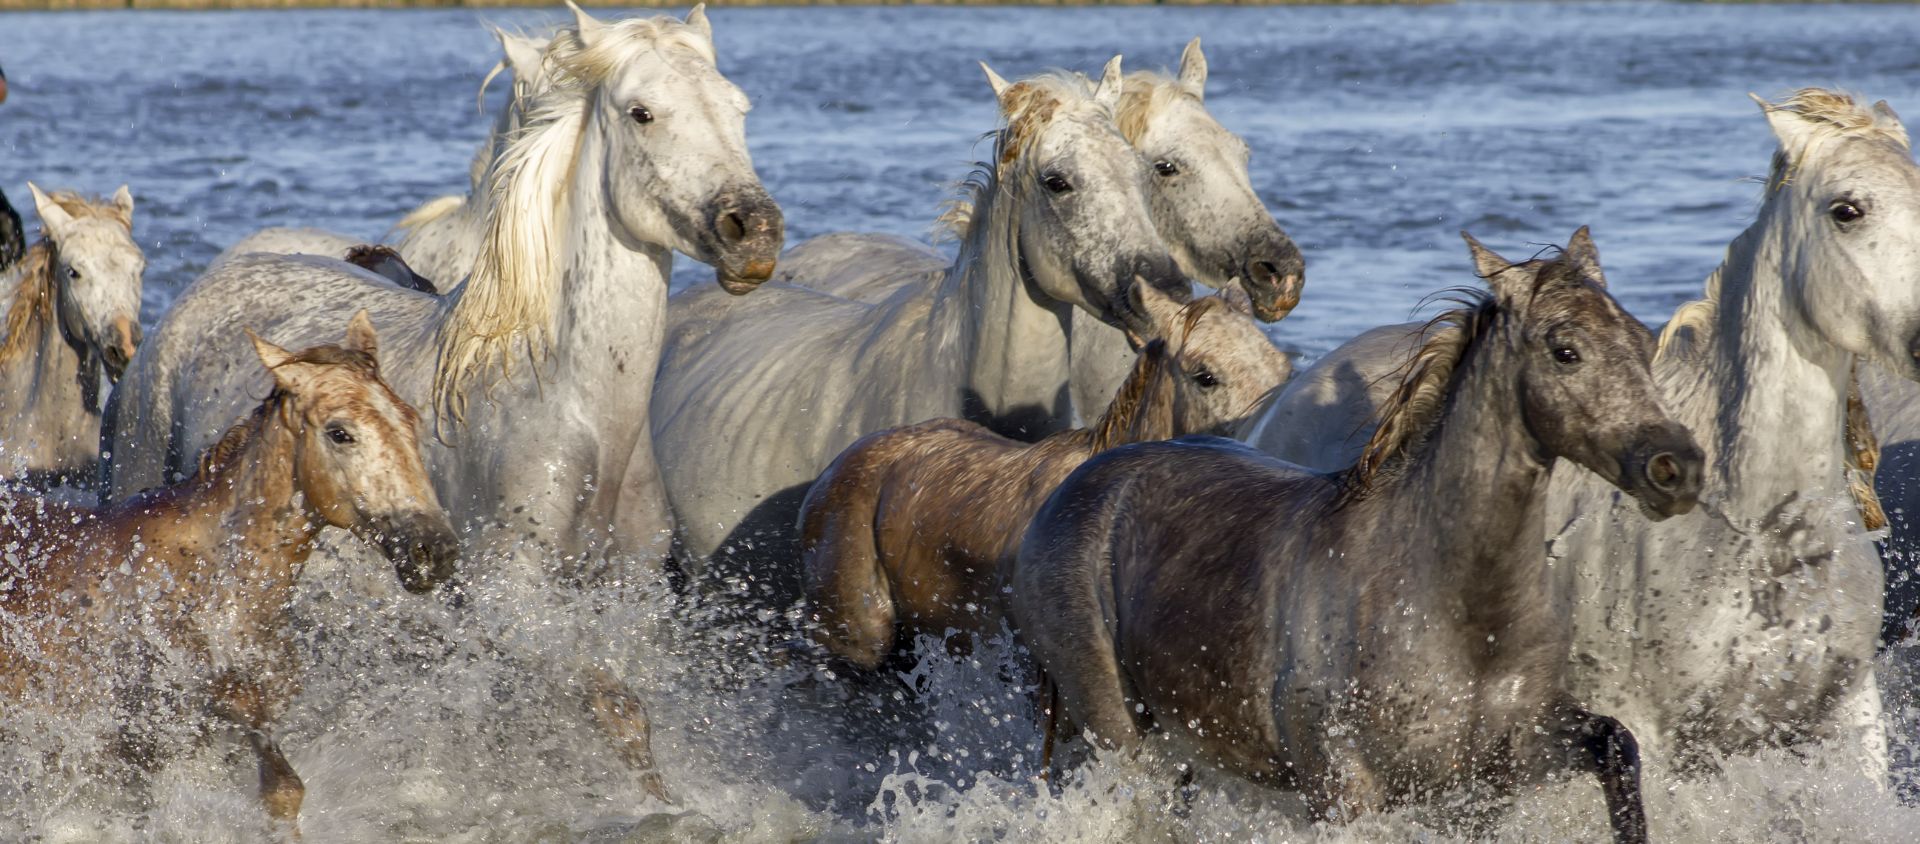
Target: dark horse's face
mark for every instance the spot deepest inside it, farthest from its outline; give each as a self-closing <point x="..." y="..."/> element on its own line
<point x="1586" y="382"/>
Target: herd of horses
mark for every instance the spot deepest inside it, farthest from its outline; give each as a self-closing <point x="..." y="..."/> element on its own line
<point x="1525" y="537"/>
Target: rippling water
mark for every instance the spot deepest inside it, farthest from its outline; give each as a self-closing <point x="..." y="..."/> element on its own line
<point x="1377" y="134"/>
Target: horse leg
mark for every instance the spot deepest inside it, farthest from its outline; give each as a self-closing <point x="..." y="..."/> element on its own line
<point x="1603" y="746"/>
<point x="1856" y="721"/>
<point x="643" y="519"/>
<point x="622" y="716"/>
<point x="250" y="705"/>
<point x="1050" y="708"/>
<point x="846" y="584"/>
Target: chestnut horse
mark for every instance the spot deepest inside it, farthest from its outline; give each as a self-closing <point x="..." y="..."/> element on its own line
<point x="205" y="569"/>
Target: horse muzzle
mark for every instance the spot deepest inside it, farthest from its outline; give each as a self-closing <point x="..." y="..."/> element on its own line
<point x="118" y="353"/>
<point x="748" y="231"/>
<point x="1666" y="475"/>
<point x="1273" y="280"/>
<point x="422" y="548"/>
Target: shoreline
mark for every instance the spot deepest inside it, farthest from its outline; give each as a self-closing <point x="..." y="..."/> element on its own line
<point x="98" y="5"/>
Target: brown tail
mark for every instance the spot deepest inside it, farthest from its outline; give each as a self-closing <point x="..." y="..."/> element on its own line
<point x="846" y="585"/>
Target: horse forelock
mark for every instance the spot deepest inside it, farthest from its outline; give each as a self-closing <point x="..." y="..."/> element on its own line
<point x="618" y="42"/>
<point x="1145" y="96"/>
<point x="365" y="370"/>
<point x="1830" y="114"/>
<point x="1414" y="407"/>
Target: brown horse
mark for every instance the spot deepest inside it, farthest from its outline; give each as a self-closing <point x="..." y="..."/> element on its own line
<point x="206" y="568"/>
<point x="1386" y="632"/>
<point x="908" y="528"/>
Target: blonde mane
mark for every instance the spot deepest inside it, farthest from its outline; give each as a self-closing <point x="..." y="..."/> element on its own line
<point x="1146" y="94"/>
<point x="1409" y="414"/>
<point x="1829" y="113"/>
<point x="508" y="307"/>
<point x="1142" y="409"/>
<point x="33" y="296"/>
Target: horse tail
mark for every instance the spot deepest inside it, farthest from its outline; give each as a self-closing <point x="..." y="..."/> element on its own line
<point x="846" y="583"/>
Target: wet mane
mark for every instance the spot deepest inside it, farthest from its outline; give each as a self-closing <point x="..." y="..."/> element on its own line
<point x="1831" y="114"/>
<point x="1139" y="412"/>
<point x="33" y="297"/>
<point x="1409" y="414"/>
<point x="510" y="302"/>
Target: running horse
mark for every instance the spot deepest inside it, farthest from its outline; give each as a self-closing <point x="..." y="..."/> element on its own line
<point x="207" y="567"/>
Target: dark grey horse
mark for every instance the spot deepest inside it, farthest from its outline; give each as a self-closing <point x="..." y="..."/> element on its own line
<point x="1386" y="631"/>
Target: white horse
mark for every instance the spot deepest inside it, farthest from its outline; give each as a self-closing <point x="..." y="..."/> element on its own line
<point x="757" y="395"/>
<point x="1752" y="621"/>
<point x="72" y="309"/>
<point x="1203" y="205"/>
<point x="538" y="372"/>
<point x="441" y="238"/>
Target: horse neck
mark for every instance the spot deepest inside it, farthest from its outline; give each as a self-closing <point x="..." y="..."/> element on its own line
<point x="248" y="507"/>
<point x="1772" y="384"/>
<point x="1013" y="340"/>
<point x="613" y="292"/>
<point x="1485" y="552"/>
<point x="55" y="364"/>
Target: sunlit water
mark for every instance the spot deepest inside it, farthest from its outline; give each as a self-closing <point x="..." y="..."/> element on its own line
<point x="1377" y="133"/>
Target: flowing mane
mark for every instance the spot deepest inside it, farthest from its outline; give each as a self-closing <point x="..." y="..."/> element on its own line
<point x="509" y="304"/>
<point x="1409" y="414"/>
<point x="1832" y="114"/>
<point x="33" y="297"/>
<point x="1146" y="94"/>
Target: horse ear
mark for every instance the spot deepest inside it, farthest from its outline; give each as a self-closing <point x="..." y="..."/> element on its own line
<point x="1193" y="70"/>
<point x="1488" y="264"/>
<point x="360" y="336"/>
<point x="123" y="201"/>
<point x="1586" y="256"/>
<point x="697" y="19"/>
<point x="999" y="85"/>
<point x="523" y="53"/>
<point x="1237" y="299"/>
<point x="1108" y="94"/>
<point x="1164" y="309"/>
<point x="53" y="218"/>
<point x="1889" y="120"/>
<point x="1788" y="129"/>
<point x="271" y="356"/>
<point x="588" y="27"/>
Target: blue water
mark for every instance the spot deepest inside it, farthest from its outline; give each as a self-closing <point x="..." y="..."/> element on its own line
<point x="1378" y="133"/>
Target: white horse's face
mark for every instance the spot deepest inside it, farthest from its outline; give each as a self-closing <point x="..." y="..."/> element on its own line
<point x="1203" y="200"/>
<point x="1852" y="211"/>
<point x="677" y="170"/>
<point x="1086" y="234"/>
<point x="98" y="270"/>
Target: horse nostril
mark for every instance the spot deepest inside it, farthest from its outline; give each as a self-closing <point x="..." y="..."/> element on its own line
<point x="1268" y="271"/>
<point x="1663" y="471"/>
<point x="733" y="227"/>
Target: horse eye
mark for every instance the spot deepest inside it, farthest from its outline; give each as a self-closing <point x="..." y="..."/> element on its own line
<point x="73" y="273"/>
<point x="1055" y="183"/>
<point x="640" y="114"/>
<point x="339" y="435"/>
<point x="1566" y="355"/>
<point x="1844" y="212"/>
<point x="1166" y="168"/>
<point x="1205" y="378"/>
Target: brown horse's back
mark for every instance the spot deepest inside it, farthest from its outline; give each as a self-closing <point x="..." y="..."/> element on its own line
<point x="910" y="526"/>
